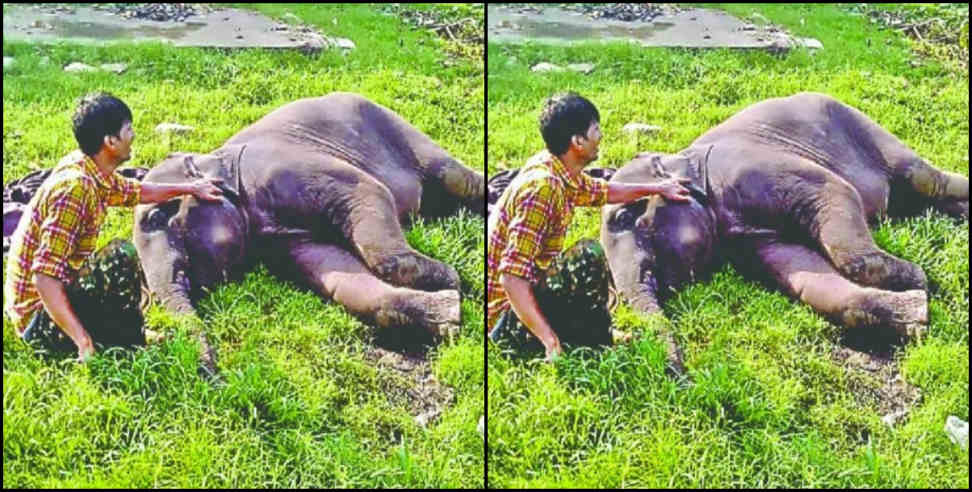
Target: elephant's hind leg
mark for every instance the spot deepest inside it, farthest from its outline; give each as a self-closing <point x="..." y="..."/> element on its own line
<point x="370" y="222"/>
<point x="337" y="274"/>
<point x="806" y="275"/>
<point x="839" y="226"/>
<point x="911" y="175"/>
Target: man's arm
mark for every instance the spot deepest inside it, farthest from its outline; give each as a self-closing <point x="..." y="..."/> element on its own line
<point x="671" y="189"/>
<point x="55" y="301"/>
<point x="204" y="189"/>
<point x="520" y="294"/>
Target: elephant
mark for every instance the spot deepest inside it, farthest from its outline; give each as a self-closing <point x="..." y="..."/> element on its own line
<point x="318" y="190"/>
<point x="784" y="190"/>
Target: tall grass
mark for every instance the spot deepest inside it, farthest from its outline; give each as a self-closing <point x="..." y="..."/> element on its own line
<point x="771" y="406"/>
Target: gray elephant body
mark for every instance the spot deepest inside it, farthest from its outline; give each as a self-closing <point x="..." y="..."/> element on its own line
<point x="785" y="190"/>
<point x="319" y="190"/>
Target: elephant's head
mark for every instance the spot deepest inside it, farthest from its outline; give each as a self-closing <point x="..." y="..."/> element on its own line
<point x="186" y="244"/>
<point x="655" y="246"/>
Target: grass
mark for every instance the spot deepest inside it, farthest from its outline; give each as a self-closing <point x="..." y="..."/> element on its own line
<point x="301" y="406"/>
<point x="770" y="407"/>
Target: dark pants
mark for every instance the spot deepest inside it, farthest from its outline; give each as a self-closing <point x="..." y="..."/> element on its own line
<point x="105" y="295"/>
<point x="573" y="296"/>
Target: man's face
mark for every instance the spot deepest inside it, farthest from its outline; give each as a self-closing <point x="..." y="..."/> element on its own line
<point x="587" y="147"/>
<point x="120" y="146"/>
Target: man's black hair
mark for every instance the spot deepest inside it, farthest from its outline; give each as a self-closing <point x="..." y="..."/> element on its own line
<point x="565" y="115"/>
<point x="97" y="115"/>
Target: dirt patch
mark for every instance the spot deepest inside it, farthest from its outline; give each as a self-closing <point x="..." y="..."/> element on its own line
<point x="415" y="386"/>
<point x="876" y="382"/>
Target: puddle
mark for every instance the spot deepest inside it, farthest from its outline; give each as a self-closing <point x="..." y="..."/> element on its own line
<point x="223" y="28"/>
<point x="691" y="28"/>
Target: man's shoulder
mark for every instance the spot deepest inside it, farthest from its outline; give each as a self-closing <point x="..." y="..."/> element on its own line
<point x="68" y="177"/>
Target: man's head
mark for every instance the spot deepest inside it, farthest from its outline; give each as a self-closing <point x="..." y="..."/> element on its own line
<point x="103" y="123"/>
<point x="570" y="123"/>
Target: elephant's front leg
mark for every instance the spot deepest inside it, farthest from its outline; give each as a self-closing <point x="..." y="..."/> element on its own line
<point x="834" y="217"/>
<point x="369" y="220"/>
<point x="804" y="274"/>
<point x="335" y="273"/>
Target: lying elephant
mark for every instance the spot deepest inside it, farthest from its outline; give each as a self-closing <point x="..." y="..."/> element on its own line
<point x="785" y="189"/>
<point x="318" y="189"/>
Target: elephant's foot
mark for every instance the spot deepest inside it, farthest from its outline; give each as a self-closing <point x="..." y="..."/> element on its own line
<point x="905" y="314"/>
<point x="438" y="313"/>
<point x="883" y="271"/>
<point x="417" y="272"/>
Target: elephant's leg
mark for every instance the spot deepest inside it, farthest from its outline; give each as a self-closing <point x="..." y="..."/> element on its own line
<point x="804" y="274"/>
<point x="459" y="182"/>
<point x="839" y="225"/>
<point x="337" y="274"/>
<point x="946" y="191"/>
<point x="371" y="224"/>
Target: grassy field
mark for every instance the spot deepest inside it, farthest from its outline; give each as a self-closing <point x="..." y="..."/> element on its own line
<point x="302" y="403"/>
<point x="772" y="406"/>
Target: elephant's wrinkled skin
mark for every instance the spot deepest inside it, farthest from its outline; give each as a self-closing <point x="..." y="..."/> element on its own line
<point x="785" y="190"/>
<point x="318" y="189"/>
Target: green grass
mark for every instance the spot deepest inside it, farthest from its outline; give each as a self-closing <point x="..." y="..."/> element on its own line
<point x="301" y="405"/>
<point x="770" y="407"/>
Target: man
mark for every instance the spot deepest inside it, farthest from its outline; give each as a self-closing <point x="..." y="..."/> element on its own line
<point x="527" y="229"/>
<point x="55" y="291"/>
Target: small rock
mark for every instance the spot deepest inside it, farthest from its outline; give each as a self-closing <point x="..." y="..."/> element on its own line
<point x="584" y="68"/>
<point x="812" y="43"/>
<point x="642" y="128"/>
<point x="345" y="44"/>
<point x="958" y="431"/>
<point x="482" y="426"/>
<point x="79" y="67"/>
<point x="173" y="128"/>
<point x="114" y="67"/>
<point x="546" y="67"/>
<point x="7" y="62"/>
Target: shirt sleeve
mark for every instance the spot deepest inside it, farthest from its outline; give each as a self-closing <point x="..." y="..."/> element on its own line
<point x="60" y="231"/>
<point x="593" y="192"/>
<point x="532" y="209"/>
<point x="125" y="192"/>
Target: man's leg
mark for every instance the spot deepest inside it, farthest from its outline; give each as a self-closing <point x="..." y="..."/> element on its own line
<point x="107" y="296"/>
<point x="573" y="296"/>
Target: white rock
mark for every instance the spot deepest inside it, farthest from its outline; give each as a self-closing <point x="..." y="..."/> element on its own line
<point x="812" y="43"/>
<point x="114" y="67"/>
<point x="546" y="67"/>
<point x="345" y="44"/>
<point x="641" y="128"/>
<point x="958" y="431"/>
<point x="585" y="68"/>
<point x="482" y="426"/>
<point x="7" y="62"/>
<point x="79" y="67"/>
<point x="173" y="128"/>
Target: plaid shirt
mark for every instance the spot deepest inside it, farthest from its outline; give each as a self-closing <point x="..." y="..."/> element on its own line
<point x="59" y="228"/>
<point x="527" y="229"/>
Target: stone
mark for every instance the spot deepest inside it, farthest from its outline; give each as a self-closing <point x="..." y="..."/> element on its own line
<point x="173" y="128"/>
<point x="584" y="68"/>
<point x="79" y="67"/>
<point x="7" y="62"/>
<point x="482" y="426"/>
<point x="811" y="43"/>
<point x="958" y="431"/>
<point x="641" y="128"/>
<point x="114" y="67"/>
<point x="546" y="67"/>
<point x="344" y="44"/>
